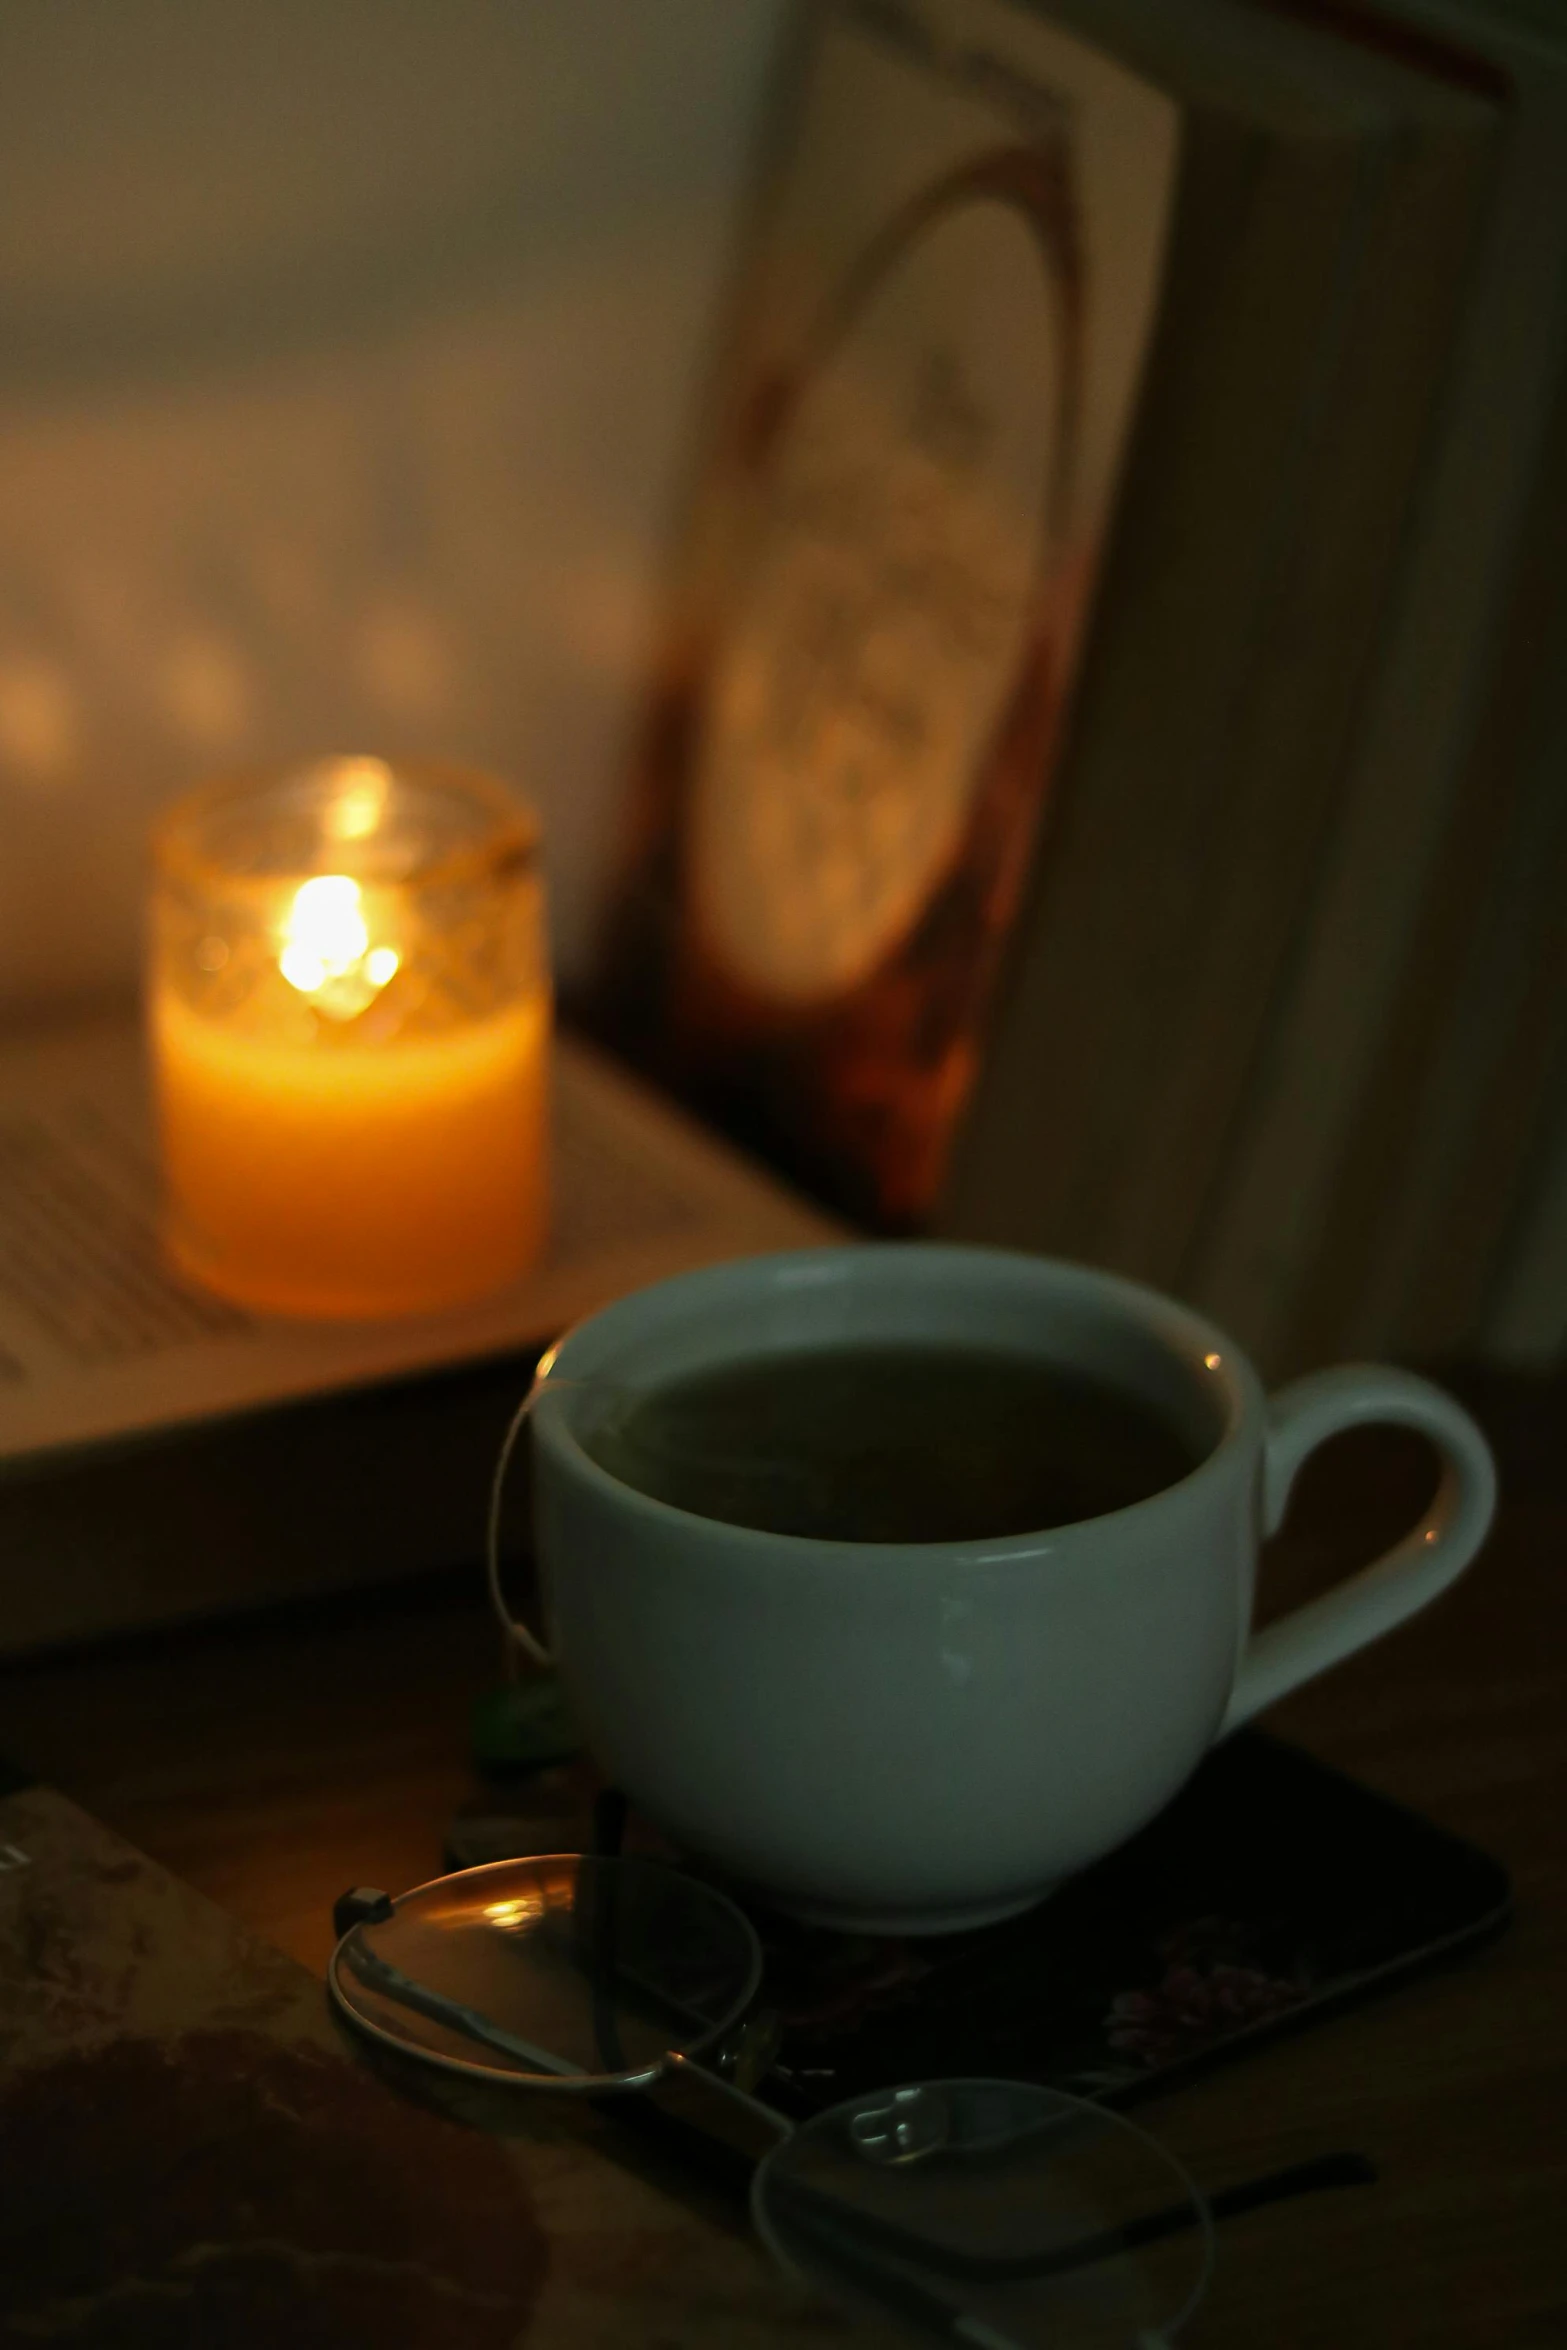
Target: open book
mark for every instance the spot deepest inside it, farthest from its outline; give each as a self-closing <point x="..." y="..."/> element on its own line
<point x="98" y="1339"/>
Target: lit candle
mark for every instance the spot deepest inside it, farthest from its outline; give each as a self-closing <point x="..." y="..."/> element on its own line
<point x="349" y="1009"/>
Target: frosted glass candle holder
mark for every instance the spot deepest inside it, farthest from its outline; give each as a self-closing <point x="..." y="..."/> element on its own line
<point x="349" y="1011"/>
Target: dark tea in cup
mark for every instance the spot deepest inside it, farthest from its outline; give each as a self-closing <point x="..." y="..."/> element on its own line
<point x="891" y="1443"/>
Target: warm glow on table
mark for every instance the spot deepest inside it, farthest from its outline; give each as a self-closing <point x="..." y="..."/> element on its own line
<point x="312" y="1180"/>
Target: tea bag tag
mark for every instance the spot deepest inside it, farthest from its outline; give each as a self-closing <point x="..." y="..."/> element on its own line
<point x="518" y="1635"/>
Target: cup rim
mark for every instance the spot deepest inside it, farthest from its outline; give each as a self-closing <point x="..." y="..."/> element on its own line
<point x="1210" y="1351"/>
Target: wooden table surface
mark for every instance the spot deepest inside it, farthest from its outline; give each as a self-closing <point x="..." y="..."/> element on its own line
<point x="272" y="1761"/>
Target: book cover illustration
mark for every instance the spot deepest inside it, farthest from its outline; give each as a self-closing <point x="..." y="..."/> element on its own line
<point x="885" y="582"/>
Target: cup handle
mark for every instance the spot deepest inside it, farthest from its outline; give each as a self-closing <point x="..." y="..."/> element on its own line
<point x="1405" y="1578"/>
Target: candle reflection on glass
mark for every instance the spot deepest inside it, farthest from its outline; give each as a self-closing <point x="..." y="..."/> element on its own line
<point x="349" y="1009"/>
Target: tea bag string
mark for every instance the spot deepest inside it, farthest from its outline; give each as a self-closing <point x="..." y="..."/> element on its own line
<point x="517" y="1635"/>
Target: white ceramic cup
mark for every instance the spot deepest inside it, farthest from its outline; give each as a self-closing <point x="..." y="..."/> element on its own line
<point x="915" y="1737"/>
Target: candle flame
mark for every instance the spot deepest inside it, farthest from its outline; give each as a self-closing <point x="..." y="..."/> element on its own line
<point x="324" y="934"/>
<point x="326" y="952"/>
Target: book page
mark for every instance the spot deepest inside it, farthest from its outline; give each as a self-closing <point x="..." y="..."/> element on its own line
<point x="99" y="1338"/>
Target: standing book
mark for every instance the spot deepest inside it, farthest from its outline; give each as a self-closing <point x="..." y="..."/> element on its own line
<point x="972" y="941"/>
